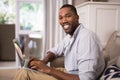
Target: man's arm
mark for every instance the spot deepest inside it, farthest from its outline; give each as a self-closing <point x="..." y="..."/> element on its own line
<point x="39" y="65"/>
<point x="49" y="57"/>
<point x="62" y="75"/>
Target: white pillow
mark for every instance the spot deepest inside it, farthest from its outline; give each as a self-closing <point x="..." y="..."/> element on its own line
<point x="111" y="73"/>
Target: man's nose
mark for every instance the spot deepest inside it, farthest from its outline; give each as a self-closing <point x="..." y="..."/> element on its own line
<point x="64" y="20"/>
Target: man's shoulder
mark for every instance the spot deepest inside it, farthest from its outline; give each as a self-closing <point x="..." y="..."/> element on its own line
<point x="86" y="32"/>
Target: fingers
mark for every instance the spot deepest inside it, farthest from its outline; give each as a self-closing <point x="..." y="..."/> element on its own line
<point x="38" y="65"/>
<point x="34" y="68"/>
<point x="32" y="61"/>
<point x="41" y="68"/>
<point x="35" y="64"/>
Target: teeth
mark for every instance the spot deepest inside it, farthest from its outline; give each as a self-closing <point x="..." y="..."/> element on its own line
<point x="66" y="26"/>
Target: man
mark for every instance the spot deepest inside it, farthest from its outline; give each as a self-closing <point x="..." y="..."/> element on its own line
<point x="82" y="51"/>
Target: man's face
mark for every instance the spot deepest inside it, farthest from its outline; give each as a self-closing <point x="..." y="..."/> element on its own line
<point x="68" y="20"/>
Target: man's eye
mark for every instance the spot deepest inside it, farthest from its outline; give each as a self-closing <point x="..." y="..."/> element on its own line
<point x="68" y="15"/>
<point x="60" y="17"/>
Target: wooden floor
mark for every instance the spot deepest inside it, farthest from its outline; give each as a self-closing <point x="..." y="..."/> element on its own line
<point x="7" y="74"/>
<point x="8" y="70"/>
<point x="7" y="64"/>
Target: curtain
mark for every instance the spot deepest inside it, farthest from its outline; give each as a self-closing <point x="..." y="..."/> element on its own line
<point x="53" y="32"/>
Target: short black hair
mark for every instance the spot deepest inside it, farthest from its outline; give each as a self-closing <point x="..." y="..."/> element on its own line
<point x="70" y="6"/>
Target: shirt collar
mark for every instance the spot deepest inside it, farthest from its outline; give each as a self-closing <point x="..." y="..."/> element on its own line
<point x="77" y="30"/>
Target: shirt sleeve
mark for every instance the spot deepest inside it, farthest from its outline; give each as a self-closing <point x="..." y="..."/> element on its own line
<point x="88" y="56"/>
<point x="58" y="49"/>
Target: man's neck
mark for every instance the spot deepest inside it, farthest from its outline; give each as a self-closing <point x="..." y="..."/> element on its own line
<point x="71" y="34"/>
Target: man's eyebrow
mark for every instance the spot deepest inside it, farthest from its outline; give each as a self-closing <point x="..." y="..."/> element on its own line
<point x="69" y="14"/>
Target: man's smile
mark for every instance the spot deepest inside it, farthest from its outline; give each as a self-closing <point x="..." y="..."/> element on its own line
<point x="66" y="27"/>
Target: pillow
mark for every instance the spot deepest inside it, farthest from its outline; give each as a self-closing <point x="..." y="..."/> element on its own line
<point x="111" y="73"/>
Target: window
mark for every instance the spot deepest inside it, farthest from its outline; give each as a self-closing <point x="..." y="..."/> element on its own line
<point x="31" y="16"/>
<point x="30" y="22"/>
<point x="7" y="11"/>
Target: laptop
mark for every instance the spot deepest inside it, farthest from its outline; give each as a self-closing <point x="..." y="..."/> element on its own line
<point x="22" y="58"/>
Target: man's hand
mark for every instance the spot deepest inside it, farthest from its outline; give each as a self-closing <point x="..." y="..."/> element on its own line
<point x="39" y="65"/>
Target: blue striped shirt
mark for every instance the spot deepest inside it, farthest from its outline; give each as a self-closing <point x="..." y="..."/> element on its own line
<point x="83" y="54"/>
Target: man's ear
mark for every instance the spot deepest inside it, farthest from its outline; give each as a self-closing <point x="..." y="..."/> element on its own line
<point x="77" y="17"/>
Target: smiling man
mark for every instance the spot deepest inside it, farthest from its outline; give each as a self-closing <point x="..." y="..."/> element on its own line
<point x="81" y="48"/>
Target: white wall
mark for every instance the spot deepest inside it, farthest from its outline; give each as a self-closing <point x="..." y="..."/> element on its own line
<point x="114" y="1"/>
<point x="77" y="2"/>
